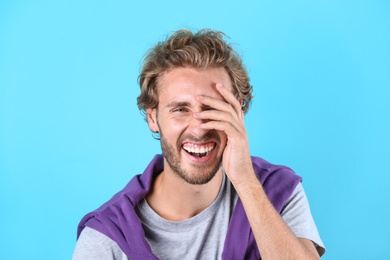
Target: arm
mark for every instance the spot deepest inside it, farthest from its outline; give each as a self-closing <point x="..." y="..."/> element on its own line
<point x="273" y="237"/>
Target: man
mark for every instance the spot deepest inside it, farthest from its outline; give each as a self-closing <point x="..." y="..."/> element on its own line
<point x="205" y="197"/>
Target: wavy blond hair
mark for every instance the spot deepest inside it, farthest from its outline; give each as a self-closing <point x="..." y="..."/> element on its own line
<point x="201" y="50"/>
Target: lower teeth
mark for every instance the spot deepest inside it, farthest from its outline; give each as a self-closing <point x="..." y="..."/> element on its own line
<point x="199" y="155"/>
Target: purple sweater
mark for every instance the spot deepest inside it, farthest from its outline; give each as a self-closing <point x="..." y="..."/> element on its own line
<point x="118" y="220"/>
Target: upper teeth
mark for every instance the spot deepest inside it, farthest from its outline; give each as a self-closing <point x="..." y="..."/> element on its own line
<point x="191" y="148"/>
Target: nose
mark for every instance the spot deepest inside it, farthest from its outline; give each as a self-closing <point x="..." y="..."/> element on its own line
<point x="194" y="127"/>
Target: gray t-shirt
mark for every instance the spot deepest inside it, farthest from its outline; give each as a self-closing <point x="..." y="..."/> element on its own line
<point x="183" y="239"/>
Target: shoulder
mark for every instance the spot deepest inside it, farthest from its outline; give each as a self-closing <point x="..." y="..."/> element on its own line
<point x="135" y="190"/>
<point x="117" y="217"/>
<point x="266" y="171"/>
<point x="279" y="181"/>
<point x="264" y="168"/>
<point x="92" y="244"/>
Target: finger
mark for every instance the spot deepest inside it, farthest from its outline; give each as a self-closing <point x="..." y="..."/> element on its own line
<point x="218" y="115"/>
<point x="224" y="126"/>
<point x="236" y="139"/>
<point x="219" y="105"/>
<point x="230" y="98"/>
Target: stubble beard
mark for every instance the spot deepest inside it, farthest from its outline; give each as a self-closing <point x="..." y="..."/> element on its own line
<point x="200" y="174"/>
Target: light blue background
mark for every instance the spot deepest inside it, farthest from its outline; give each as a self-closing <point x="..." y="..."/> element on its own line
<point x="71" y="135"/>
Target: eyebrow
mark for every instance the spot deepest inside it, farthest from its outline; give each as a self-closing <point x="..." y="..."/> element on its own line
<point x="184" y="104"/>
<point x="179" y="104"/>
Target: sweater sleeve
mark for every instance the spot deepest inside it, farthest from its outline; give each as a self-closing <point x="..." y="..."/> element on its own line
<point x="93" y="245"/>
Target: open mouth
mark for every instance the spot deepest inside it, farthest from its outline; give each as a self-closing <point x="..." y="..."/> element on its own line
<point x="198" y="150"/>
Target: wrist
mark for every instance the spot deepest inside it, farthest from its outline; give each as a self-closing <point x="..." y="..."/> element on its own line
<point x="248" y="185"/>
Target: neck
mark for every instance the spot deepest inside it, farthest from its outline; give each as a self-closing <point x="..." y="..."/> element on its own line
<point x="174" y="199"/>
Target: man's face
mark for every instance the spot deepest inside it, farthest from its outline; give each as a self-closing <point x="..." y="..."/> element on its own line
<point x="193" y="153"/>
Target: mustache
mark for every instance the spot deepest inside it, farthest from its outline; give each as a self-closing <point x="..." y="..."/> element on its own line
<point x="211" y="135"/>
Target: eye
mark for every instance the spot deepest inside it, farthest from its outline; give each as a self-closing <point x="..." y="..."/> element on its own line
<point x="208" y="108"/>
<point x="179" y="110"/>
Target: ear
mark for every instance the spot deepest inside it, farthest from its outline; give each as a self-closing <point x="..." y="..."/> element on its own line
<point x="152" y="119"/>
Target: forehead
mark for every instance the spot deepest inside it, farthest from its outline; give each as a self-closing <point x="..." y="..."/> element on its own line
<point x="187" y="83"/>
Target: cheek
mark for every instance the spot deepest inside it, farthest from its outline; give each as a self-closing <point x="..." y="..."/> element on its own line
<point x="172" y="127"/>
